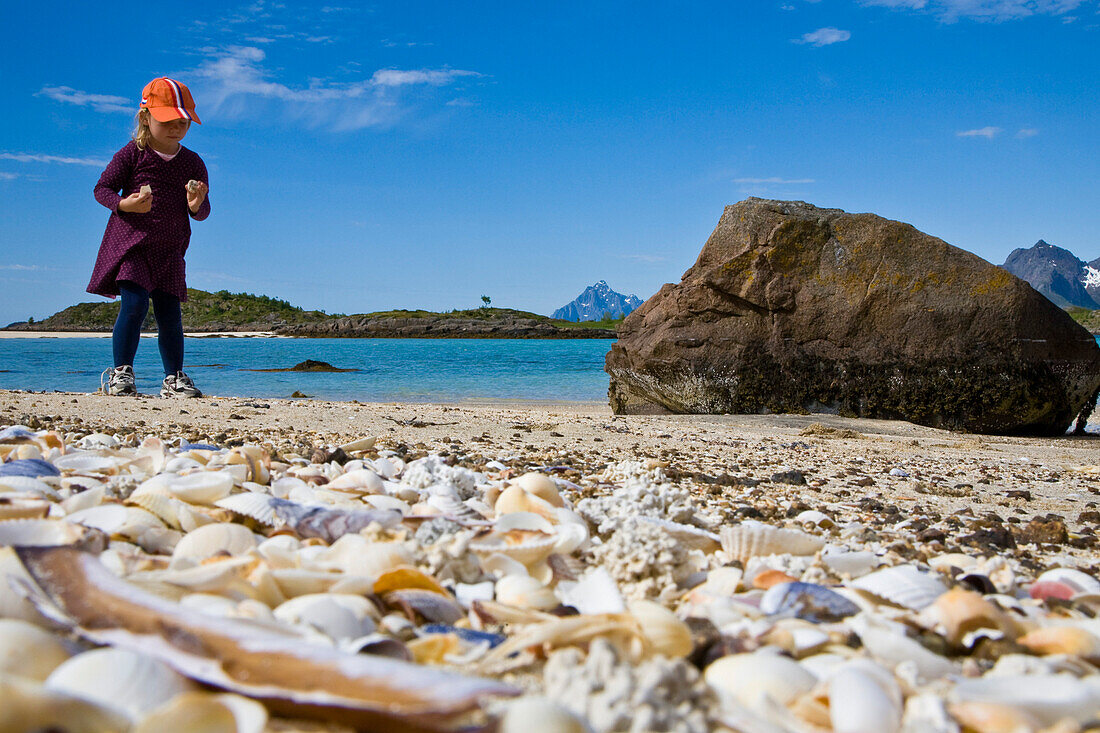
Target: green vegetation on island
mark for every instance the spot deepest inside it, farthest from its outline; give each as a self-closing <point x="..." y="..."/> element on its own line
<point x="1090" y="319"/>
<point x="206" y="312"/>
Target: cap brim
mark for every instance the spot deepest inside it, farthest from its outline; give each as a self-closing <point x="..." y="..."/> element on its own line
<point x="167" y="114"/>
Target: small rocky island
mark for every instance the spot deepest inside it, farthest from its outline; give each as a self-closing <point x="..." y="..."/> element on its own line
<point x="793" y="308"/>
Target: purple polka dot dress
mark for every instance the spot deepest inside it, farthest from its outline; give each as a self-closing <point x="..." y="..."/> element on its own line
<point x="147" y="248"/>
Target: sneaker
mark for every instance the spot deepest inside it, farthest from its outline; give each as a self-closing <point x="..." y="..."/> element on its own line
<point x="120" y="381"/>
<point x="179" y="385"/>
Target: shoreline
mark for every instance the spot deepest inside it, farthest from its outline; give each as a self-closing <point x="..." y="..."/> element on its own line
<point x="144" y="334"/>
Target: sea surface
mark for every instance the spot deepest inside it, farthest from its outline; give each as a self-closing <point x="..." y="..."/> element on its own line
<point x="388" y="370"/>
<point x="399" y="370"/>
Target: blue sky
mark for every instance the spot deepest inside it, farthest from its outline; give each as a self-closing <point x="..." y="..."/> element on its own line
<point x="420" y="155"/>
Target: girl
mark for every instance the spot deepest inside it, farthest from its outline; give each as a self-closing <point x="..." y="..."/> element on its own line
<point x="163" y="185"/>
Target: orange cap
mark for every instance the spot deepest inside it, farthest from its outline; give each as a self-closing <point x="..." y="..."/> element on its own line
<point x="167" y="100"/>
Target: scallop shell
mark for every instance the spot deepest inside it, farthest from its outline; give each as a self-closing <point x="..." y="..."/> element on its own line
<point x="355" y="555"/>
<point x="28" y="651"/>
<point x="210" y="540"/>
<point x="117" y="520"/>
<point x="28" y="706"/>
<point x="902" y="585"/>
<point x="27" y="485"/>
<point x="38" y="533"/>
<point x="173" y="512"/>
<point x="665" y="634"/>
<point x="755" y="539"/>
<point x="89" y="463"/>
<point x="131" y="683"/>
<point x="336" y="615"/>
<point x="23" y="507"/>
<point x="253" y="505"/>
<point x="541" y="486"/>
<point x="206" y="712"/>
<point x="201" y="487"/>
<point x="524" y="546"/>
<point x="693" y="537"/>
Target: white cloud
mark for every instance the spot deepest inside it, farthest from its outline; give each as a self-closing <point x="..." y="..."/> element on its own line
<point x="23" y="268"/>
<point x="950" y="11"/>
<point x="1026" y="132"/>
<point x="98" y="102"/>
<point x="643" y="258"/>
<point x="5" y="176"/>
<point x="987" y="132"/>
<point x="774" y="179"/>
<point x="235" y="83"/>
<point x="39" y="158"/>
<point x="824" y="37"/>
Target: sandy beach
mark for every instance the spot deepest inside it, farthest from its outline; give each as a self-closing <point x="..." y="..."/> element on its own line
<point x="660" y="595"/>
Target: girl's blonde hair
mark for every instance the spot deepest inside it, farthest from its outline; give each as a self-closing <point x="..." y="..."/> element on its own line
<point x="141" y="128"/>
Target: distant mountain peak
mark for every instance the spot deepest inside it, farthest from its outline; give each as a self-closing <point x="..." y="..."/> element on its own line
<point x="595" y="302"/>
<point x="1058" y="274"/>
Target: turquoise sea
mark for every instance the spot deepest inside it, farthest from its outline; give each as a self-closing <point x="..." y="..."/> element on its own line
<point x="404" y="370"/>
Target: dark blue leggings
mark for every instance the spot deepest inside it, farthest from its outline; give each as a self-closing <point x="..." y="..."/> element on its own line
<point x="127" y="333"/>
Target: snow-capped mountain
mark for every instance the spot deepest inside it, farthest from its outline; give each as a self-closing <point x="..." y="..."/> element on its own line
<point x="595" y="302"/>
<point x="1057" y="274"/>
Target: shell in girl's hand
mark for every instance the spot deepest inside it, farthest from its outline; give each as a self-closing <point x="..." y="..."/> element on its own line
<point x="147" y="190"/>
<point x="193" y="185"/>
<point x="755" y="539"/>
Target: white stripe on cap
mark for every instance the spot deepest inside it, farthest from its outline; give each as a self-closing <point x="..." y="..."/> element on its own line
<point x="179" y="98"/>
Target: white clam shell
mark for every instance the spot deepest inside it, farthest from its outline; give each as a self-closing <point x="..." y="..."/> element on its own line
<point x="539" y="715"/>
<point x="336" y="615"/>
<point x="541" y="486"/>
<point x="853" y="563"/>
<point x="202" y="487"/>
<point x="362" y="444"/>
<point x="1081" y="582"/>
<point x="355" y="555"/>
<point x="210" y="540"/>
<point x="115" y="678"/>
<point x="751" y="539"/>
<point x="27" y="485"/>
<point x="596" y="592"/>
<point x="115" y="519"/>
<point x="902" y="585"/>
<point x="253" y="505"/>
<point x="524" y="546"/>
<point x="524" y="591"/>
<point x="206" y="712"/>
<point x="89" y="463"/>
<point x="864" y="698"/>
<point x="37" y="533"/>
<point x="1047" y="698"/>
<point x="887" y="643"/>
<point x="361" y="481"/>
<point x="28" y="651"/>
<point x="665" y="634"/>
<point x="28" y="706"/>
<point x="755" y="678"/>
<point x="12" y="604"/>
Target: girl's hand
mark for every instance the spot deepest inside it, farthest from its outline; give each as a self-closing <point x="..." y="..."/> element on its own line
<point x="136" y="203"/>
<point x="196" y="194"/>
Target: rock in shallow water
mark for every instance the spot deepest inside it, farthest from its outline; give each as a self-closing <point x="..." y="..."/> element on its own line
<point x="792" y="308"/>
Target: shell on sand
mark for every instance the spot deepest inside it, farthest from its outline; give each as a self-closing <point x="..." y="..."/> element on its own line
<point x="902" y="585"/>
<point x="693" y="537"/>
<point x="29" y="706"/>
<point x="751" y="539"/>
<point x="28" y="651"/>
<point x="135" y="684"/>
<point x="959" y="612"/>
<point x="1068" y="640"/>
<point x="361" y="481"/>
<point x="523" y="591"/>
<point x="337" y="615"/>
<point x="662" y="630"/>
<point x="748" y="678"/>
<point x="116" y="519"/>
<point x="528" y="547"/>
<point x="213" y="539"/>
<point x="201" y="487"/>
<point x="205" y="712"/>
<point x="864" y="697"/>
<point x="541" y="486"/>
<point x="39" y="533"/>
<point x="253" y="505"/>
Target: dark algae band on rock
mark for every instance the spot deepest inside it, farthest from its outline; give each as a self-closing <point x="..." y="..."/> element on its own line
<point x="793" y="308"/>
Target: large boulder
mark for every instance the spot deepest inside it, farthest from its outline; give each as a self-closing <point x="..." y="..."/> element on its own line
<point x="792" y="308"/>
